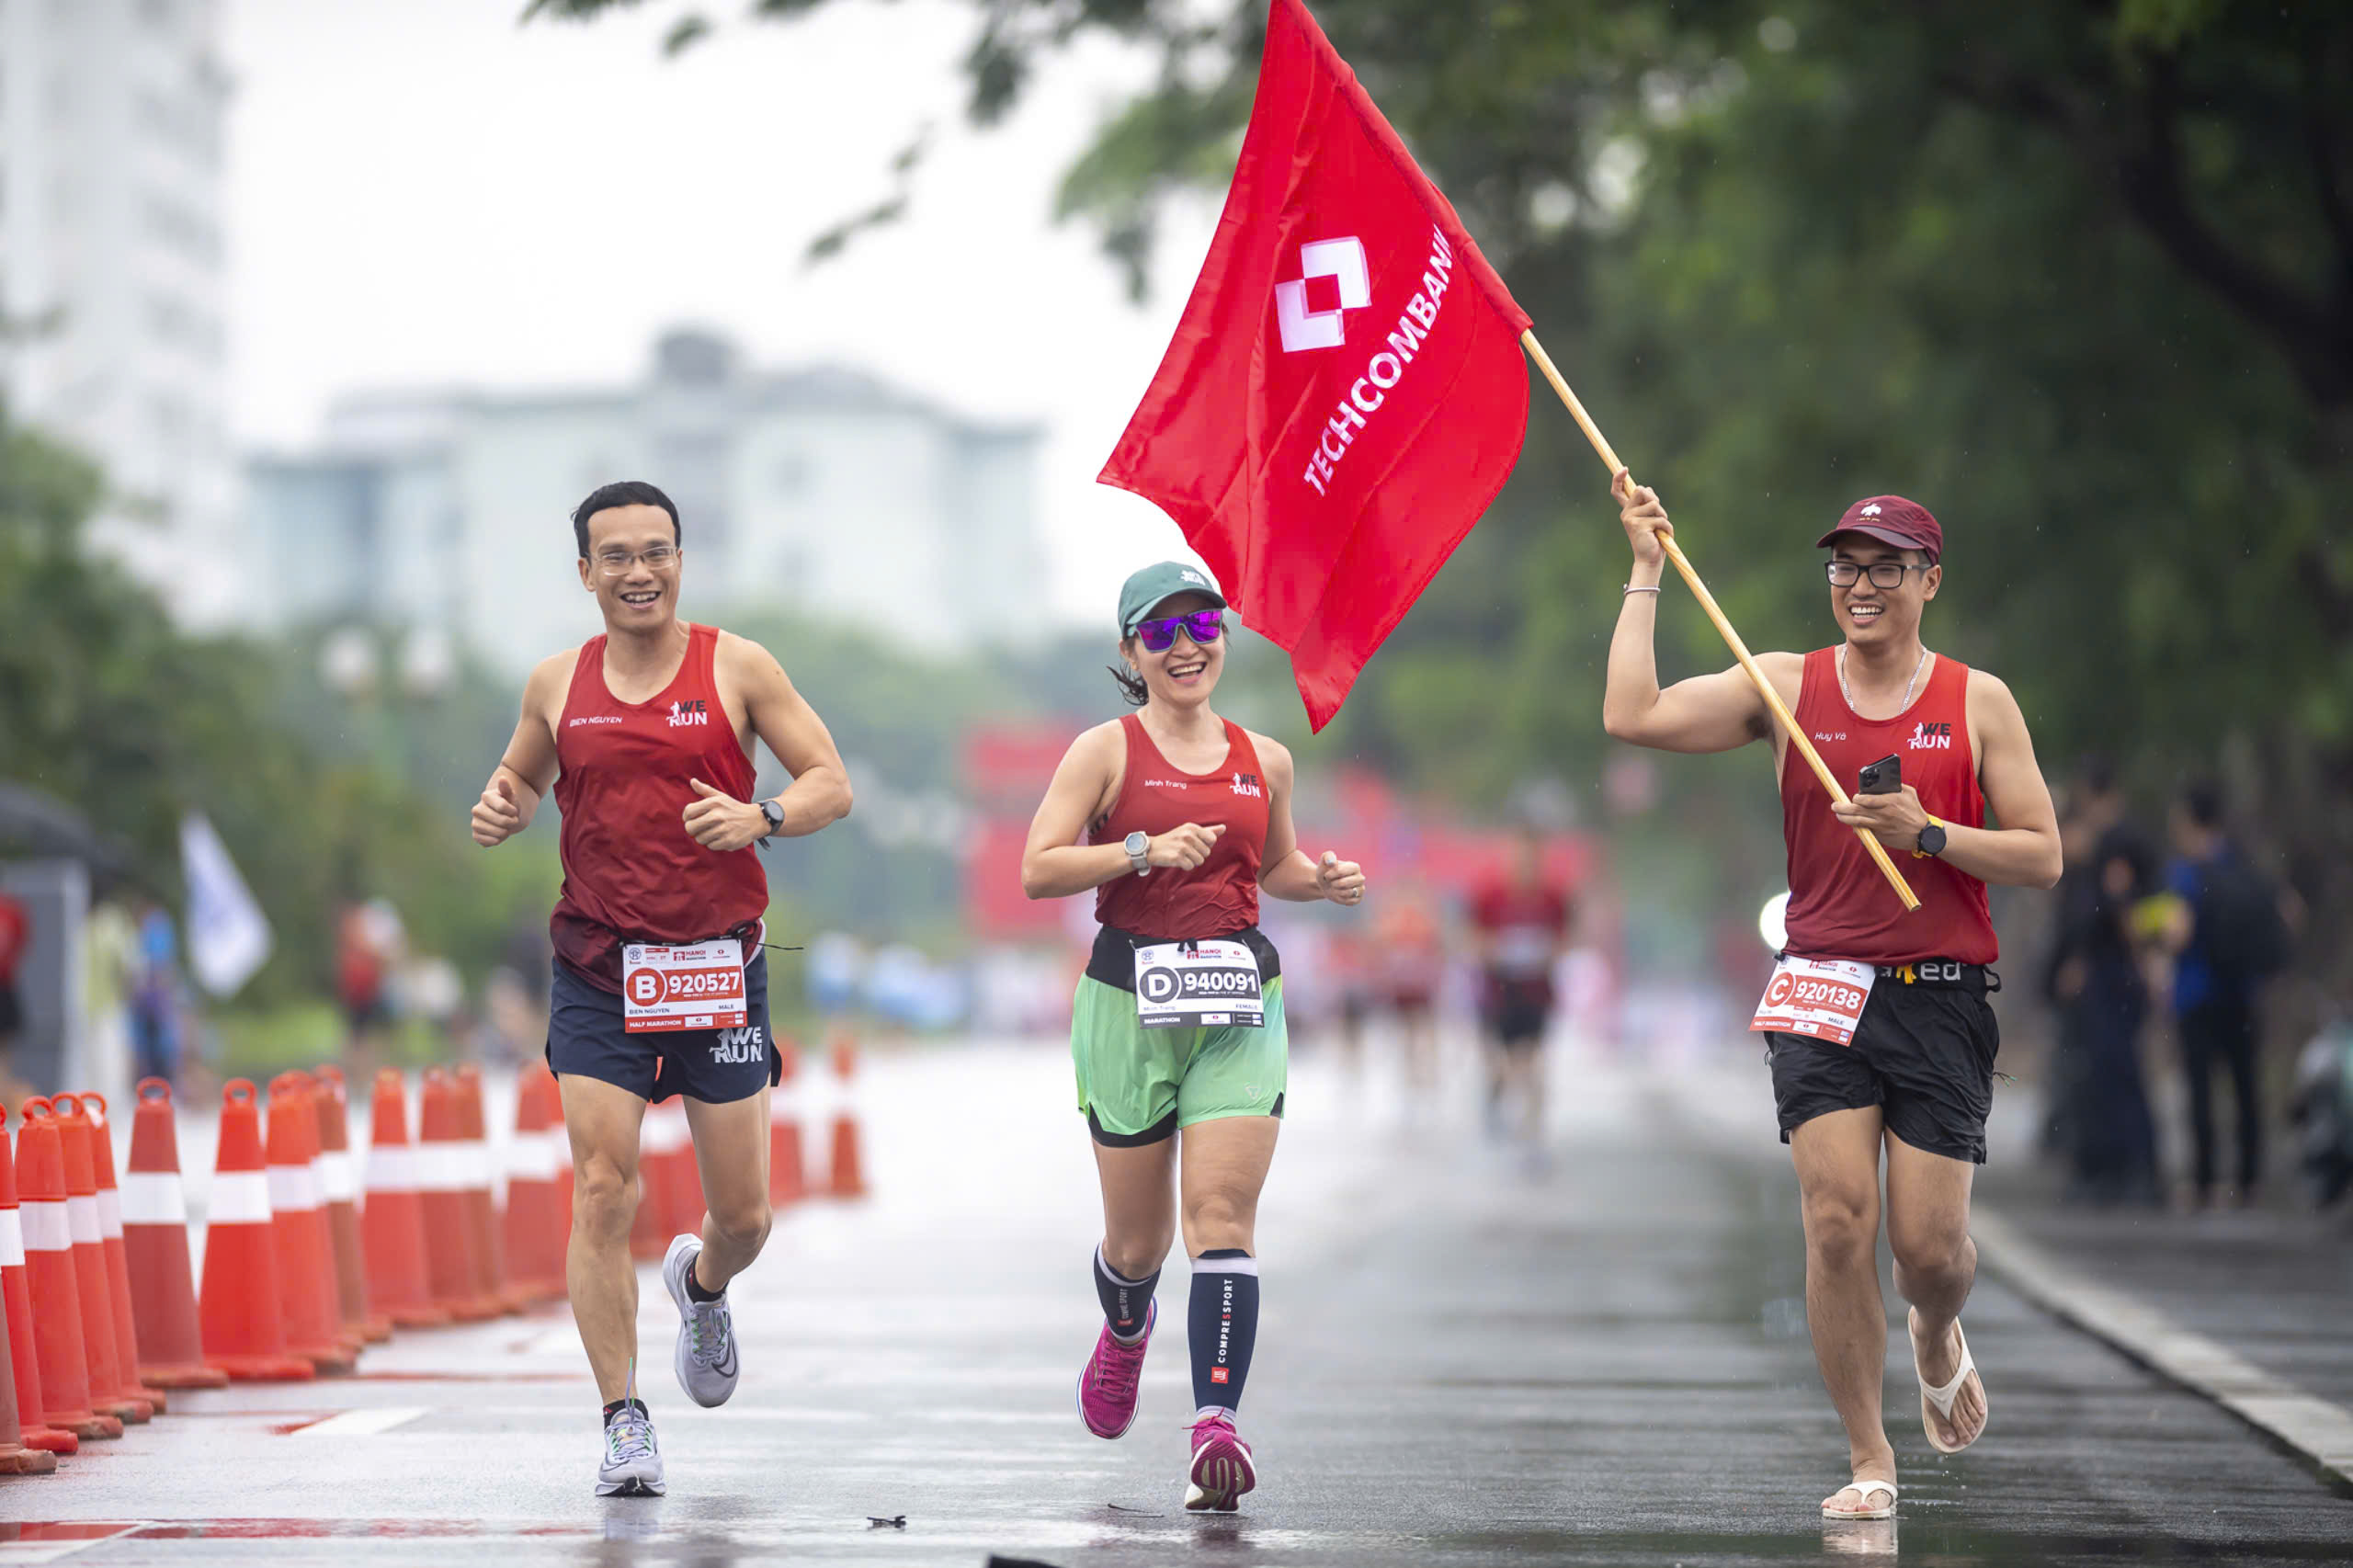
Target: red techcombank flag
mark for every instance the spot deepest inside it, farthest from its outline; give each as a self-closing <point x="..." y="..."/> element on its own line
<point x="1346" y="393"/>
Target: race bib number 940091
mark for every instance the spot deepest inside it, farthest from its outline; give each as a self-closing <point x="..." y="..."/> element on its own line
<point x="1819" y="997"/>
<point x="697" y="986"/>
<point x="1207" y="984"/>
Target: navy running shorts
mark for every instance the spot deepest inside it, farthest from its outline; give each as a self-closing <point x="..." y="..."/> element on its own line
<point x="586" y="1035"/>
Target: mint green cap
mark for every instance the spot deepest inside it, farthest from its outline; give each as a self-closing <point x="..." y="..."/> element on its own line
<point x="1161" y="580"/>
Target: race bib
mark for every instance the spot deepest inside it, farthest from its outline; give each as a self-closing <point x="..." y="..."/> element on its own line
<point x="1819" y="997"/>
<point x="1207" y="984"/>
<point x="698" y="986"/>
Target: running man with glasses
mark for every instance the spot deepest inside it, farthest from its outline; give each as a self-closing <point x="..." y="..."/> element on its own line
<point x="1176" y="819"/>
<point x="659" y="986"/>
<point x="1896" y="1064"/>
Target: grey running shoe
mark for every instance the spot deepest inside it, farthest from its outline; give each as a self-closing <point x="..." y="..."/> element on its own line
<point x="706" y="1358"/>
<point x="632" y="1466"/>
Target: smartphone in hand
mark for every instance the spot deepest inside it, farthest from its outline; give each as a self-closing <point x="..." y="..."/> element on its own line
<point x="1884" y="776"/>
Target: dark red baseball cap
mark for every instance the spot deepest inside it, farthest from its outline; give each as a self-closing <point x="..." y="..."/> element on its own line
<point x="1890" y="520"/>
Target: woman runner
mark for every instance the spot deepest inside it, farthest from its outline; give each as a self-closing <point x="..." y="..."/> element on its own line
<point x="1175" y="818"/>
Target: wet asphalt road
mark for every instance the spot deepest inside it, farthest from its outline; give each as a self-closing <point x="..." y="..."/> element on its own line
<point x="1462" y="1361"/>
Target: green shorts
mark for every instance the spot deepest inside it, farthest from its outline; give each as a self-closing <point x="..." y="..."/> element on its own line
<point x="1137" y="1085"/>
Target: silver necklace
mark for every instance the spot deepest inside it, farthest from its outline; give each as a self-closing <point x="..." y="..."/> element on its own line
<point x="1908" y="685"/>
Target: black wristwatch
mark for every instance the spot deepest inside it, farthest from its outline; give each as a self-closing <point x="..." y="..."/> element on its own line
<point x="1932" y="838"/>
<point x="775" y="814"/>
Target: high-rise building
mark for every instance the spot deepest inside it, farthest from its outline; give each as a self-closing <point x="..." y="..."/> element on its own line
<point x="822" y="491"/>
<point x="112" y="290"/>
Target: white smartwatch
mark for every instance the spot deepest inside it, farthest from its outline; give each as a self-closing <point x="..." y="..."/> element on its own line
<point x="1136" y="844"/>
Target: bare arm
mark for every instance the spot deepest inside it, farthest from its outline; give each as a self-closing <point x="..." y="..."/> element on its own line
<point x="2023" y="852"/>
<point x="1706" y="713"/>
<point x="1286" y="870"/>
<point x="1054" y="864"/>
<point x="511" y="799"/>
<point x="820" y="792"/>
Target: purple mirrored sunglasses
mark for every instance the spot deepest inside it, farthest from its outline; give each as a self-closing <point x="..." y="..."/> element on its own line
<point x="1203" y="626"/>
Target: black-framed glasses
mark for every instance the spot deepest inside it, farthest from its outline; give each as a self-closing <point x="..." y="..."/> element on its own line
<point x="1203" y="626"/>
<point x="614" y="563"/>
<point x="1883" y="573"/>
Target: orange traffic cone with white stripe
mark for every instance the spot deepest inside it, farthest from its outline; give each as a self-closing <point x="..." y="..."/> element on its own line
<point x="298" y="1214"/>
<point x="17" y="1311"/>
<point x="239" y="1307"/>
<point x="154" y="1250"/>
<point x="787" y="1167"/>
<point x="16" y="1459"/>
<point x="392" y="1225"/>
<point x="50" y="1279"/>
<point x="110" y="1249"/>
<point x="360" y="1320"/>
<point x="534" y="1230"/>
<point x="111" y="1393"/>
<point x="451" y="1249"/>
<point x="848" y="1175"/>
<point x="482" y="1203"/>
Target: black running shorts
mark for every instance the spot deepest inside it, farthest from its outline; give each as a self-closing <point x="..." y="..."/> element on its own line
<point x="586" y="1035"/>
<point x="1923" y="1054"/>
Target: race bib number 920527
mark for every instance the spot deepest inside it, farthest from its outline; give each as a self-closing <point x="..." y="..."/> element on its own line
<point x="695" y="986"/>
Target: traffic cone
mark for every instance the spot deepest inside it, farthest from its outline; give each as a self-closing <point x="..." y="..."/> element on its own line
<point x="391" y="1226"/>
<point x="154" y="1250"/>
<point x="55" y="1296"/>
<point x="111" y="1393"/>
<point x="452" y="1269"/>
<point x="299" y="1217"/>
<point x="16" y="1459"/>
<point x="662" y="1133"/>
<point x="111" y="1249"/>
<point x="848" y="1178"/>
<point x="788" y="1173"/>
<point x="481" y="1202"/>
<point x="534" y="1234"/>
<point x="239" y="1307"/>
<point x="360" y="1320"/>
<point x="685" y="1202"/>
<point x="17" y="1311"/>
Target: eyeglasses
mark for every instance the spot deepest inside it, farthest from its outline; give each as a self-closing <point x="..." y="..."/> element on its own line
<point x="1203" y="626"/>
<point x="1883" y="573"/>
<point x="614" y="563"/>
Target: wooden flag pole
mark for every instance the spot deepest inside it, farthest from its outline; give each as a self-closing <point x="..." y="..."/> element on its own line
<point x="1708" y="602"/>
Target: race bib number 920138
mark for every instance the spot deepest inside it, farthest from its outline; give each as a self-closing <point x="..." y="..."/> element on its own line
<point x="1206" y="984"/>
<point x="695" y="986"/>
<point x="1822" y="999"/>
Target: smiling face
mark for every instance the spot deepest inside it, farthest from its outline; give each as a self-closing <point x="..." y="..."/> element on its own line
<point x="1185" y="675"/>
<point x="641" y="597"/>
<point x="1874" y="617"/>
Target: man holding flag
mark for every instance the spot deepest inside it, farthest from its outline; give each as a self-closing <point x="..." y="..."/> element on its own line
<point x="1900" y="1056"/>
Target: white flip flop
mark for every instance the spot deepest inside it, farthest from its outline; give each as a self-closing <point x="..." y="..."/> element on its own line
<point x="1864" y="1489"/>
<point x="1943" y="1398"/>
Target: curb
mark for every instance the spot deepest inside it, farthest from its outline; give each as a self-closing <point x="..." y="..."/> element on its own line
<point x="2321" y="1432"/>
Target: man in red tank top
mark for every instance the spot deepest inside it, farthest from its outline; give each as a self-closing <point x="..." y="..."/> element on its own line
<point x="1906" y="1074"/>
<point x="660" y="986"/>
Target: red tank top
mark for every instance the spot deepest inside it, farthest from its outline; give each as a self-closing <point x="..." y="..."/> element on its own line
<point x="1216" y="898"/>
<point x="1840" y="906"/>
<point x="631" y="871"/>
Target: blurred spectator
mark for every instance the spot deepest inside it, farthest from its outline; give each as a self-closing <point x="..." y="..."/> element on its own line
<point x="1521" y="927"/>
<point x="156" y="1031"/>
<point x="109" y="970"/>
<point x="1410" y="950"/>
<point x="16" y="935"/>
<point x="367" y="945"/>
<point x="2094" y="978"/>
<point x="2230" y="939"/>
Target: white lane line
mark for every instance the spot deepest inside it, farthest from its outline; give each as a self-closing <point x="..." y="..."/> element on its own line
<point x="361" y="1423"/>
<point x="2322" y="1432"/>
<point x="13" y="1552"/>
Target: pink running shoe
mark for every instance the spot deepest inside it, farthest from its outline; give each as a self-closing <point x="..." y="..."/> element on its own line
<point x="1107" y="1388"/>
<point x="1221" y="1468"/>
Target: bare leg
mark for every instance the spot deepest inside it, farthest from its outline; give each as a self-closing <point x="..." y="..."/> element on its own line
<point x="1837" y="1156"/>
<point x="1936" y="1263"/>
<point x="1138" y="1205"/>
<point x="1225" y="1165"/>
<point x="603" y="1122"/>
<point x="731" y="1153"/>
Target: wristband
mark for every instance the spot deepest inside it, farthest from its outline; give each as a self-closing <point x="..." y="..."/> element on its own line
<point x="1638" y="588"/>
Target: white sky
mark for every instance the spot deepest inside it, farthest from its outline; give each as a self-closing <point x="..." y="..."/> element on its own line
<point x="423" y="192"/>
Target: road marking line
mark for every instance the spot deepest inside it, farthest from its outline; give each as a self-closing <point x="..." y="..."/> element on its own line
<point x="361" y="1423"/>
<point x="2315" y="1428"/>
<point x="56" y="1549"/>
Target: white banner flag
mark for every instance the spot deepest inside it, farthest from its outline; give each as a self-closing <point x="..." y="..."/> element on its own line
<point x="228" y="936"/>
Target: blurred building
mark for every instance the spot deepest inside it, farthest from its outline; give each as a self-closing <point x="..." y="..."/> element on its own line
<point x="112" y="290"/>
<point x="822" y="491"/>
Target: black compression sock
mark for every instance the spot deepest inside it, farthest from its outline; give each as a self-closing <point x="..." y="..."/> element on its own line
<point x="621" y="1404"/>
<point x="1222" y="1324"/>
<point x="695" y="1293"/>
<point x="1125" y="1302"/>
